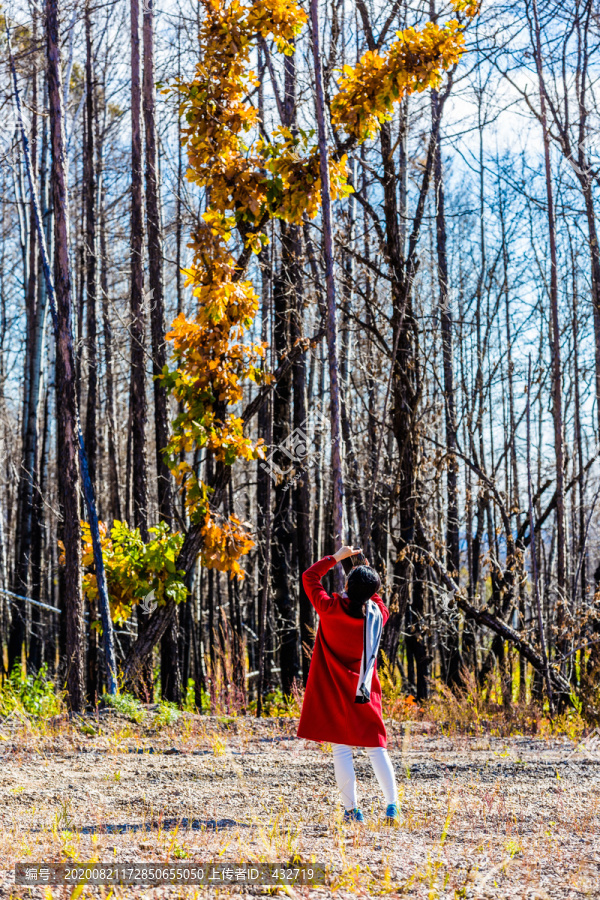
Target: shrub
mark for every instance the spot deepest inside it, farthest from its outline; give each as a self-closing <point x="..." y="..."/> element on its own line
<point x="135" y="570"/>
<point x="167" y="714"/>
<point x="279" y="704"/>
<point x="34" y="695"/>
<point x="127" y="705"/>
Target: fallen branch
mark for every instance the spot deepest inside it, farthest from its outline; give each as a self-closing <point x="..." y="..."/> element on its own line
<point x="485" y="617"/>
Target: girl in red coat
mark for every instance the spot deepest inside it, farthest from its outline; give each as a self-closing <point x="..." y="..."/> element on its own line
<point x="337" y="707"/>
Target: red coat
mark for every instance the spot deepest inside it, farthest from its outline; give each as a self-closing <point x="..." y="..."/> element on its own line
<point x="329" y="712"/>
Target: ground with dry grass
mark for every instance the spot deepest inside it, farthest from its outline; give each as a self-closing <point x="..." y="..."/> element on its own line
<point x="481" y="817"/>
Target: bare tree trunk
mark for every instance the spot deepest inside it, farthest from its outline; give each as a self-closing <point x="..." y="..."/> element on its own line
<point x="178" y="239"/>
<point x="584" y="172"/>
<point x="178" y="199"/>
<point x="302" y="488"/>
<point x="38" y="644"/>
<point x="89" y="178"/>
<point x="66" y="388"/>
<point x="171" y="682"/>
<point x="79" y="290"/>
<point x="446" y="325"/>
<point x="581" y="566"/>
<point x="336" y="456"/>
<point x="595" y="281"/>
<point x="138" y="337"/>
<point x="31" y="395"/>
<point x="534" y="563"/>
<point x="582" y="24"/>
<point x="39" y="631"/>
<point x="282" y="532"/>
<point x="111" y="425"/>
<point x="89" y="190"/>
<point x="285" y="300"/>
<point x="155" y="261"/>
<point x="554" y="336"/>
<point x="265" y="592"/>
<point x="355" y="506"/>
<point x="318" y="540"/>
<point x="447" y="361"/>
<point x="263" y="475"/>
<point x="513" y="498"/>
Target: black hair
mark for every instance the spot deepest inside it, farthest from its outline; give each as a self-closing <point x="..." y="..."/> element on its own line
<point x="363" y="582"/>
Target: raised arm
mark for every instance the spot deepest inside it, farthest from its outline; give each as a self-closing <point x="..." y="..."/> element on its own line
<point x="311" y="580"/>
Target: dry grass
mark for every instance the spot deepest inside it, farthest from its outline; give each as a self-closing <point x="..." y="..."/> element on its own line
<point x="482" y="816"/>
<point x="474" y="710"/>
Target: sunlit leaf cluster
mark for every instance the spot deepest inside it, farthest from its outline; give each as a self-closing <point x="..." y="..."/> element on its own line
<point x="134" y="569"/>
<point x="414" y="62"/>
<point x="224" y="542"/>
<point x="469" y="7"/>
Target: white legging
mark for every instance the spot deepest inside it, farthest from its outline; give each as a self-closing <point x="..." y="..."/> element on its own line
<point x="346" y="779"/>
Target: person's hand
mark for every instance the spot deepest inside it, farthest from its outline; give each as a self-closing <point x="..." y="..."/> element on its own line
<point x="345" y="552"/>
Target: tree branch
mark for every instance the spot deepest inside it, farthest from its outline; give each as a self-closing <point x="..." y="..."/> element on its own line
<point x="280" y="372"/>
<point x="485" y="617"/>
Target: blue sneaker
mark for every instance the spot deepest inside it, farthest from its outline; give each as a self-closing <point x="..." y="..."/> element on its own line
<point x="353" y="815"/>
<point x="392" y="816"/>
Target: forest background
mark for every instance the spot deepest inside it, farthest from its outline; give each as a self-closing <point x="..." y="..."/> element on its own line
<point x="384" y="277"/>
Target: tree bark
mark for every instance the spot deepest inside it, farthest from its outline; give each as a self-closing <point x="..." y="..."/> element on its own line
<point x="39" y="631"/>
<point x="581" y="25"/>
<point x="404" y="377"/>
<point x="138" y="337"/>
<point x="31" y="397"/>
<point x="170" y="674"/>
<point x="355" y="507"/>
<point x="263" y="475"/>
<point x="282" y="533"/>
<point x="285" y="301"/>
<point x="39" y="638"/>
<point x="263" y="609"/>
<point x="446" y="323"/>
<point x="302" y="488"/>
<point x="178" y="199"/>
<point x="578" y="435"/>
<point x="155" y="263"/>
<point x="555" y="350"/>
<point x="89" y="178"/>
<point x="534" y="565"/>
<point x="91" y="440"/>
<point x="446" y="326"/>
<point x="110" y="409"/>
<point x="336" y="449"/>
<point x="66" y="388"/>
